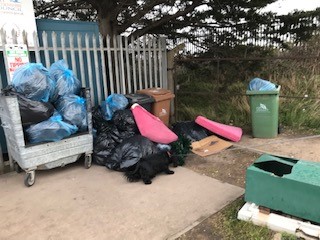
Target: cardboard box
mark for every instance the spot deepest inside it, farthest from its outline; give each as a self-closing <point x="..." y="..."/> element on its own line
<point x="209" y="145"/>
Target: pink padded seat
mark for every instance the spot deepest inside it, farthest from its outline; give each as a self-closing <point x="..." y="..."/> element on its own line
<point x="151" y="126"/>
<point x="230" y="132"/>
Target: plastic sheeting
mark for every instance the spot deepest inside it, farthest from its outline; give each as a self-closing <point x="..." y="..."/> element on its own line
<point x="258" y="84"/>
<point x="124" y="121"/>
<point x="113" y="103"/>
<point x="190" y="130"/>
<point x="73" y="110"/>
<point x="129" y="152"/>
<point x="66" y="81"/>
<point x="33" y="81"/>
<point x="51" y="130"/>
<point x="31" y="112"/>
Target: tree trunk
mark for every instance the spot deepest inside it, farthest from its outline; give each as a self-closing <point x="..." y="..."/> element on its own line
<point x="106" y="26"/>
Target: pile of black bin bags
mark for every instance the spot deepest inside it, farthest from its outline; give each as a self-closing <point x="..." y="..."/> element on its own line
<point x="118" y="144"/>
<point x="49" y="100"/>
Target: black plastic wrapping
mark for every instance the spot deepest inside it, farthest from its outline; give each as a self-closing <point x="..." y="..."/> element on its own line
<point x="190" y="130"/>
<point x="124" y="121"/>
<point x="31" y="112"/>
<point x="129" y="152"/>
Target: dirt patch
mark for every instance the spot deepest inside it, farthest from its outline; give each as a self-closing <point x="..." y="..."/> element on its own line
<point x="227" y="166"/>
<point x="230" y="166"/>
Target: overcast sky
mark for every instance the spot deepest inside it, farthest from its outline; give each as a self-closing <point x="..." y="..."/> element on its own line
<point x="286" y="6"/>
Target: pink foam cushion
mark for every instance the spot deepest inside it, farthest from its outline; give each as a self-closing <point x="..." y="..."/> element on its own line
<point x="151" y="126"/>
<point x="230" y="132"/>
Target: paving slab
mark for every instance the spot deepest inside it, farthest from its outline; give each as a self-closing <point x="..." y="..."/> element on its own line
<point x="96" y="203"/>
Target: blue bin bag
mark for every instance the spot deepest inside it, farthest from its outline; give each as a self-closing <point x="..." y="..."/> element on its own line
<point x="66" y="81"/>
<point x="33" y="81"/>
<point x="73" y="110"/>
<point x="51" y="130"/>
<point x="113" y="103"/>
<point x="258" y="84"/>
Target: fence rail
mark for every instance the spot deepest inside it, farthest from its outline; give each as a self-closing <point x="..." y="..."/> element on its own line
<point x="107" y="65"/>
<point x="114" y="64"/>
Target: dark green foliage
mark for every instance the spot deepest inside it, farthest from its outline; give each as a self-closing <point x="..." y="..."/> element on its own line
<point x="180" y="149"/>
<point x="168" y="17"/>
<point x="218" y="91"/>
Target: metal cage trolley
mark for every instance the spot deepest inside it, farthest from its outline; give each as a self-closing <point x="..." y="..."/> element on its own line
<point x="48" y="155"/>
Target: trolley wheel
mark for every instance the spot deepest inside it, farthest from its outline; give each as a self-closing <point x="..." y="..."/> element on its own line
<point x="29" y="179"/>
<point x="17" y="168"/>
<point x="87" y="161"/>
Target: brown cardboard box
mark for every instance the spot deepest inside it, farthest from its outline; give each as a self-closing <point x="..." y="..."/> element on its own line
<point x="209" y="145"/>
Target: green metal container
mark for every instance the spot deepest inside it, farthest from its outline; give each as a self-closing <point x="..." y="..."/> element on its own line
<point x="264" y="107"/>
<point x="288" y="185"/>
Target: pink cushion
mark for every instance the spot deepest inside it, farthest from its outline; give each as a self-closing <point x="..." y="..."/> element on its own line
<point x="230" y="132"/>
<point x="151" y="126"/>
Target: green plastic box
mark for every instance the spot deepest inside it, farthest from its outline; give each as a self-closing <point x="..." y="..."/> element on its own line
<point x="288" y="185"/>
<point x="264" y="108"/>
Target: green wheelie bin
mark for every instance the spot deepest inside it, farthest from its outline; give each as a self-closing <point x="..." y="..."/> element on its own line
<point x="264" y="108"/>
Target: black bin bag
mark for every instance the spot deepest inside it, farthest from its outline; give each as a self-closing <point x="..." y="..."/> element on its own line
<point x="124" y="121"/>
<point x="105" y="142"/>
<point x="31" y="112"/>
<point x="129" y="152"/>
<point x="190" y="130"/>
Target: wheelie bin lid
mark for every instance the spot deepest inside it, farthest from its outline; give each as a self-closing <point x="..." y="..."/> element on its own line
<point x="159" y="94"/>
<point x="139" y="98"/>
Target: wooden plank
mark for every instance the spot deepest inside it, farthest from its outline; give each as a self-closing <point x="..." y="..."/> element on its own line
<point x="164" y="82"/>
<point x="264" y="210"/>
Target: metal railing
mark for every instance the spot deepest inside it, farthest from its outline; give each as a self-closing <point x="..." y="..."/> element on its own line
<point x="106" y="65"/>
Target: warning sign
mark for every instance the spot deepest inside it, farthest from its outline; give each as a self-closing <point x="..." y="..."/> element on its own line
<point x="16" y="56"/>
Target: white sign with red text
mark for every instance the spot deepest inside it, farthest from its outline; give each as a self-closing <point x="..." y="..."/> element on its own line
<point x="16" y="55"/>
